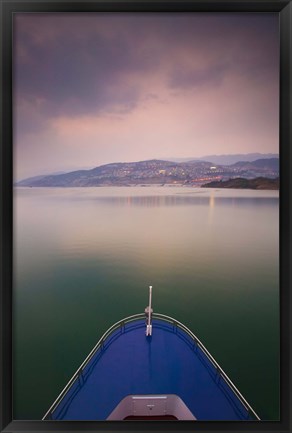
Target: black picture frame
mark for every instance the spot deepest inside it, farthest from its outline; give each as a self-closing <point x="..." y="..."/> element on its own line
<point x="8" y="8"/>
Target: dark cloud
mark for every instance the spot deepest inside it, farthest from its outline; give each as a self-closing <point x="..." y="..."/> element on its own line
<point x="245" y="45"/>
<point x="211" y="76"/>
<point x="75" y="75"/>
<point x="77" y="64"/>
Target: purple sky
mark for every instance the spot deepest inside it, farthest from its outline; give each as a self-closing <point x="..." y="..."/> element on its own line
<point x="90" y="89"/>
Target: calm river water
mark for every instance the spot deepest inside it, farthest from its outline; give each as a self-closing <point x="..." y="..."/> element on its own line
<point x="84" y="258"/>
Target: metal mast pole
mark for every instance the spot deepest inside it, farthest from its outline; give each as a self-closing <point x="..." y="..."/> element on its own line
<point x="148" y="311"/>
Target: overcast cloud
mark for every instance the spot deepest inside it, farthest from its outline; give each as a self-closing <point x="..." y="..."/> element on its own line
<point x="93" y="88"/>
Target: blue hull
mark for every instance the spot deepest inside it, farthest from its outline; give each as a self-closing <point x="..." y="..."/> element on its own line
<point x="171" y="361"/>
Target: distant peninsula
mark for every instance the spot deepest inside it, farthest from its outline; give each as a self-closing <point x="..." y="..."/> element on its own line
<point x="241" y="183"/>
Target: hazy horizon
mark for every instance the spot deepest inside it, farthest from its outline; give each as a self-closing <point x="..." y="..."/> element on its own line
<point x="92" y="89"/>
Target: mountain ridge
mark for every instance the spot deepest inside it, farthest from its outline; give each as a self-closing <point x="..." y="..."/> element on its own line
<point x="228" y="159"/>
<point x="156" y="171"/>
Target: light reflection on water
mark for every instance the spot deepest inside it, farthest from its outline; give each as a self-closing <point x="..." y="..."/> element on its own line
<point x="84" y="258"/>
<point x="177" y="200"/>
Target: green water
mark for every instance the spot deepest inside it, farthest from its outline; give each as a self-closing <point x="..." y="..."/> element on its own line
<point x="84" y="258"/>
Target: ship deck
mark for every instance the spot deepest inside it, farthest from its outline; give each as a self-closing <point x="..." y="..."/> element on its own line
<point x="129" y="363"/>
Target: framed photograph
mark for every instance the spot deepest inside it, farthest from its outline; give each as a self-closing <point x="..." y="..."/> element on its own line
<point x="146" y="216"/>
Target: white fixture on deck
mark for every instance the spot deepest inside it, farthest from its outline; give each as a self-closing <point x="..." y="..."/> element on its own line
<point x="148" y="313"/>
<point x="151" y="405"/>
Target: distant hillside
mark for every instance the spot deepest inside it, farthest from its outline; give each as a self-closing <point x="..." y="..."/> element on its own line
<point x="156" y="172"/>
<point x="268" y="164"/>
<point x="240" y="183"/>
<point x="229" y="159"/>
<point x="232" y="159"/>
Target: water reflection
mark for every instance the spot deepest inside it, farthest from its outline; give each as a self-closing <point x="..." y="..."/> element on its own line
<point x="162" y="231"/>
<point x="190" y="201"/>
<point x="211" y="208"/>
<point x="177" y="200"/>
